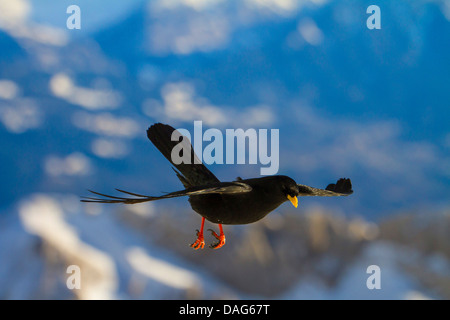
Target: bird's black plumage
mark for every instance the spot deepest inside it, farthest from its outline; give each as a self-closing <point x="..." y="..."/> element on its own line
<point x="191" y="174"/>
<point x="238" y="202"/>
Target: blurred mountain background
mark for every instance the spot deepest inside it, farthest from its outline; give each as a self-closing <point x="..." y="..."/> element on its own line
<point x="372" y="105"/>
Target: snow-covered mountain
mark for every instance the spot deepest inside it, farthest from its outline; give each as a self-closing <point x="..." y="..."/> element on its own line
<point x="370" y="105"/>
<point x="142" y="253"/>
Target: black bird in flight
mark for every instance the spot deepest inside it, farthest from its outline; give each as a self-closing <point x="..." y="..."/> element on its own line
<point x="238" y="202"/>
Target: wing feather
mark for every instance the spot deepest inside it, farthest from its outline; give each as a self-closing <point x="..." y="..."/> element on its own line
<point x="343" y="187"/>
<point x="221" y="187"/>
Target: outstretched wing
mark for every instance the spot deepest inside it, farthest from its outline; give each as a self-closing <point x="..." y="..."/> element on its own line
<point x="343" y="187"/>
<point x="190" y="174"/>
<point x="221" y="187"/>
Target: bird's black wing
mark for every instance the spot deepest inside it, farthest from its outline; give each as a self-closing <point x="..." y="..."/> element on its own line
<point x="221" y="187"/>
<point x="193" y="173"/>
<point x="343" y="187"/>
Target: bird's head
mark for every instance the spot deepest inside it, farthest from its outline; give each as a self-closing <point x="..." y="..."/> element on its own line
<point x="290" y="190"/>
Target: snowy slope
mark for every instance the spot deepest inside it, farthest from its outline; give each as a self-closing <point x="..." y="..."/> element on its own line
<point x="47" y="233"/>
<point x="51" y="234"/>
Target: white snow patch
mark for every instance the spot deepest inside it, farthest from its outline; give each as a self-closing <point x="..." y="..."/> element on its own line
<point x="43" y="216"/>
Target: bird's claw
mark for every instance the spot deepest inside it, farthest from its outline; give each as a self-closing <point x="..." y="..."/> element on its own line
<point x="199" y="243"/>
<point x="221" y="239"/>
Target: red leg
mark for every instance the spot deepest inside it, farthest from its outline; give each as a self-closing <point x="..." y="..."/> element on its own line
<point x="200" y="242"/>
<point x="220" y="237"/>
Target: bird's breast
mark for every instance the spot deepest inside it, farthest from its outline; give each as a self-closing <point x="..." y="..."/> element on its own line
<point x="241" y="208"/>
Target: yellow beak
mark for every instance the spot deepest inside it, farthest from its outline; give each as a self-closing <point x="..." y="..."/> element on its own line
<point x="294" y="200"/>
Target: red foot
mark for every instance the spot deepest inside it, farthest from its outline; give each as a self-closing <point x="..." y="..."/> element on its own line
<point x="220" y="237"/>
<point x="200" y="242"/>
